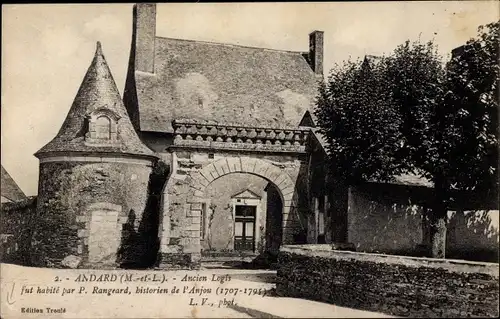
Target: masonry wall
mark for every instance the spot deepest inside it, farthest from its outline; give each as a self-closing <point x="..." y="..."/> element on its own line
<point x="383" y="224"/>
<point x="16" y="231"/>
<point x="392" y="222"/>
<point x="69" y="195"/>
<point x="473" y="235"/>
<point x="400" y="286"/>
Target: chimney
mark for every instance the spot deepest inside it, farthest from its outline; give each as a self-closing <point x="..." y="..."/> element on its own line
<point x="458" y="51"/>
<point x="316" y="52"/>
<point x="144" y="32"/>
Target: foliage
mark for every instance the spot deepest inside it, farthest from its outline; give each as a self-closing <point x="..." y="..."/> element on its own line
<point x="411" y="113"/>
<point x="470" y="113"/>
<point x="359" y="121"/>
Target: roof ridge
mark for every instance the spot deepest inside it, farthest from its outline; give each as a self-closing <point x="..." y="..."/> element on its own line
<point x="232" y="45"/>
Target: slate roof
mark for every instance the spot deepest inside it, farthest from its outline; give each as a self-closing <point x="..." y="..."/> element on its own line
<point x="225" y="83"/>
<point x="320" y="139"/>
<point x="98" y="90"/>
<point x="411" y="180"/>
<point x="309" y="119"/>
<point x="14" y="207"/>
<point x="9" y="188"/>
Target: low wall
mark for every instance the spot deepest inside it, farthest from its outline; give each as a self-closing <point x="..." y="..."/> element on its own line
<point x="15" y="231"/>
<point x="395" y="285"/>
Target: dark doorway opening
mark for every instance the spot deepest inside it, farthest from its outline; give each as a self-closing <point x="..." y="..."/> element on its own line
<point x="244" y="228"/>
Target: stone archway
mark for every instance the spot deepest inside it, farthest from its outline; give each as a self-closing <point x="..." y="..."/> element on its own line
<point x="283" y="182"/>
<point x="185" y="196"/>
<point x="200" y="180"/>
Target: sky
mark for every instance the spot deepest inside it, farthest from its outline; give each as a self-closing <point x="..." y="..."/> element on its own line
<point x="47" y="48"/>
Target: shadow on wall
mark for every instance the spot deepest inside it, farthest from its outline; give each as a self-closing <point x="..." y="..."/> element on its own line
<point x="298" y="216"/>
<point x="384" y="225"/>
<point x="139" y="249"/>
<point x="391" y="222"/>
<point x="473" y="235"/>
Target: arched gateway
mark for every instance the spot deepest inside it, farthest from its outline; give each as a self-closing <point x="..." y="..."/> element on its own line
<point x="195" y="168"/>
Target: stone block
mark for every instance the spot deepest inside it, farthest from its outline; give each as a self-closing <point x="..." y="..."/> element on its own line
<point x="193" y="227"/>
<point x="213" y="171"/>
<point x="196" y="206"/>
<point x="83" y="233"/>
<point x="71" y="261"/>
<point x="287" y="183"/>
<point x="190" y="245"/>
<point x="110" y="218"/>
<point x="282" y="179"/>
<point x="165" y="248"/>
<point x="208" y="177"/>
<point x="261" y="168"/>
<point x="247" y="164"/>
<point x="97" y="218"/>
<point x="199" y="158"/>
<point x="82" y="218"/>
<point x="234" y="164"/>
<point x="288" y="197"/>
<point x="198" y="193"/>
<point x="221" y="167"/>
<point x="194" y="213"/>
<point x="200" y="179"/>
<point x="288" y="190"/>
<point x="289" y="202"/>
<point x="194" y="220"/>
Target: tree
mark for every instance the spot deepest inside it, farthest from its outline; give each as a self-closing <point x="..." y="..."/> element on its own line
<point x="411" y="113"/>
<point x="463" y="149"/>
<point x="471" y="105"/>
<point x="417" y="82"/>
<point x="359" y="122"/>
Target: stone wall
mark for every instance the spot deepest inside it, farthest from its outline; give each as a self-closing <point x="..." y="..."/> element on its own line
<point x="16" y="231"/>
<point x="395" y="285"/>
<point x="473" y="235"/>
<point x="390" y="220"/>
<point x="383" y="225"/>
<point x="75" y="196"/>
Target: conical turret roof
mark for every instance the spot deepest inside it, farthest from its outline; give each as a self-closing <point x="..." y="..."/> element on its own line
<point x="98" y="91"/>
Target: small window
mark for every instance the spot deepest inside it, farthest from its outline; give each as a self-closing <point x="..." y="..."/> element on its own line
<point x="103" y="127"/>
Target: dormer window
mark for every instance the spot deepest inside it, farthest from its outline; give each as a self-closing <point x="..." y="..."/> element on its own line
<point x="103" y="125"/>
<point x="103" y="128"/>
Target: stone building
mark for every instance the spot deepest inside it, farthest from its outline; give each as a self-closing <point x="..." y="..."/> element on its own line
<point x="10" y="191"/>
<point x="203" y="154"/>
<point x="211" y="152"/>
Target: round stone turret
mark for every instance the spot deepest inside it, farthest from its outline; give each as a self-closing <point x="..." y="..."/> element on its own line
<point x="93" y="181"/>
